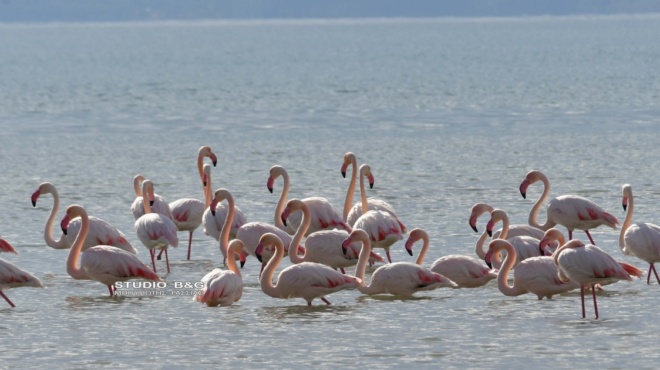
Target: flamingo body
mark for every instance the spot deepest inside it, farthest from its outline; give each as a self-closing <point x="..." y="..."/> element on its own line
<point x="14" y="277"/>
<point x="465" y="271"/>
<point x="642" y="239"/>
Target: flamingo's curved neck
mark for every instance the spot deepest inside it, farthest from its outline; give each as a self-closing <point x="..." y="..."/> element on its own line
<point x="233" y="250"/>
<point x="628" y="220"/>
<point x="479" y="246"/>
<point x="226" y="228"/>
<point x="266" y="279"/>
<point x="145" y="198"/>
<point x="48" y="232"/>
<point x="363" y="195"/>
<point x="74" y="254"/>
<point x="136" y="185"/>
<point x="503" y="274"/>
<point x="533" y="214"/>
<point x="207" y="191"/>
<point x="425" y="248"/>
<point x="348" y="203"/>
<point x="200" y="164"/>
<point x="361" y="268"/>
<point x="298" y="237"/>
<point x="281" y="203"/>
<point x="505" y="226"/>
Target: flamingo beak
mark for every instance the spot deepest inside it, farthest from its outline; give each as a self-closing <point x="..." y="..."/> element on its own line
<point x="487" y="259"/>
<point x="371" y="181"/>
<point x="625" y="203"/>
<point x="345" y="244"/>
<point x="269" y="184"/>
<point x="523" y="188"/>
<point x="214" y="159"/>
<point x="473" y="224"/>
<point x="343" y="169"/>
<point x="35" y="196"/>
<point x="213" y="206"/>
<point x="64" y="224"/>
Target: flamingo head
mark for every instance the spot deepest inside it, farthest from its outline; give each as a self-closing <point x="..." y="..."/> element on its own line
<point x="348" y="159"/>
<point x="205" y="151"/>
<point x="243" y="258"/>
<point x="490" y="226"/>
<point x="473" y="223"/>
<point x="35" y="196"/>
<point x="205" y="180"/>
<point x="476" y="211"/>
<point x="270" y="183"/>
<point x="214" y="159"/>
<point x="72" y="212"/>
<point x="213" y="206"/>
<point x="492" y="249"/>
<point x="346" y="244"/>
<point x="414" y="236"/>
<point x="259" y="251"/>
<point x="523" y="188"/>
<point x="530" y="178"/>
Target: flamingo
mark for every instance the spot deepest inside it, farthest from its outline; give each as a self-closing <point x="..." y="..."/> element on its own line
<point x="400" y="279"/>
<point x="383" y="228"/>
<point x="525" y="246"/>
<point x="353" y="212"/>
<point x="589" y="265"/>
<point x="159" y="205"/>
<point x="322" y="246"/>
<point x="642" y="239"/>
<point x="154" y="229"/>
<point x="100" y="231"/>
<point x="536" y="275"/>
<point x="322" y="215"/>
<point x="223" y="287"/>
<point x="187" y="212"/>
<point x="227" y="222"/>
<point x="570" y="211"/>
<point x="305" y="280"/>
<point x="213" y="221"/>
<point x="12" y="276"/>
<point x="465" y="271"/>
<point x="103" y="263"/>
<point x="514" y="230"/>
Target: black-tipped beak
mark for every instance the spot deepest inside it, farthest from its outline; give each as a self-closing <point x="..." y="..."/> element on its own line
<point x="541" y="252"/>
<point x="259" y="258"/>
<point x="343" y="174"/>
<point x="490" y="233"/>
<point x="474" y="228"/>
<point x="409" y="251"/>
<point x="64" y="231"/>
<point x="490" y="265"/>
<point x="270" y="189"/>
<point x="284" y="221"/>
<point x="151" y="203"/>
<point x="215" y="162"/>
<point x="625" y="206"/>
<point x="34" y="204"/>
<point x="242" y="264"/>
<point x="344" y="249"/>
<point x="371" y="185"/>
<point x="213" y="212"/>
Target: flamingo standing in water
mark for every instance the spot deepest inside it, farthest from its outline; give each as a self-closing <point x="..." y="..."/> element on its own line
<point x="213" y="221"/>
<point x="12" y="276"/>
<point x="589" y="265"/>
<point x="159" y="205"/>
<point x="322" y="215"/>
<point x="465" y="271"/>
<point x="536" y="275"/>
<point x="514" y="230"/>
<point x="101" y="232"/>
<point x="570" y="211"/>
<point x="154" y="229"/>
<point x="227" y="222"/>
<point x="187" y="212"/>
<point x="323" y="246"/>
<point x="103" y="263"/>
<point x="353" y="212"/>
<point x="383" y="228"/>
<point x="642" y="239"/>
<point x="400" y="279"/>
<point x="305" y="280"/>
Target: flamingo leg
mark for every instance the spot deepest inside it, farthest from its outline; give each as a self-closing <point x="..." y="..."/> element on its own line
<point x="7" y="299"/>
<point x="111" y="290"/>
<point x="343" y="271"/>
<point x="570" y="234"/>
<point x="263" y="265"/>
<point x="159" y="254"/>
<point x="655" y="272"/>
<point x="324" y="300"/>
<point x="593" y="293"/>
<point x="152" y="253"/>
<point x="582" y="296"/>
<point x="189" y="244"/>
<point x="167" y="260"/>
<point x="590" y="238"/>
<point x="387" y="252"/>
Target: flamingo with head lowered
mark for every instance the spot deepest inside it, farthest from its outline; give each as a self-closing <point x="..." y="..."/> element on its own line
<point x="571" y="211"/>
<point x="12" y="276"/>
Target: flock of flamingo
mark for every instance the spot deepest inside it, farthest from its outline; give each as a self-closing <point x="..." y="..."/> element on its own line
<point x="321" y="244"/>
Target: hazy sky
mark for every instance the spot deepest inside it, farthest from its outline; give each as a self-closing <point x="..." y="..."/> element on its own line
<point x="125" y="10"/>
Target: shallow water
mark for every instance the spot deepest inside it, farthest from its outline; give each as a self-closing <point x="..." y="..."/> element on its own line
<point x="448" y="113"/>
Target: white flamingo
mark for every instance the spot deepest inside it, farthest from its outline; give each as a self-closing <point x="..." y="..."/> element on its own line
<point x="353" y="212"/>
<point x="154" y="229"/>
<point x="187" y="212"/>
<point x="571" y="211"/>
<point x="589" y="265"/>
<point x="465" y="271"/>
<point x="103" y="263"/>
<point x="213" y="221"/>
<point x="641" y="239"/>
<point x="12" y="276"/>
<point x="159" y="204"/>
<point x="383" y="228"/>
<point x="305" y="280"/>
<point x="323" y="246"/>
<point x="400" y="279"/>
<point x="101" y="232"/>
<point x="322" y="215"/>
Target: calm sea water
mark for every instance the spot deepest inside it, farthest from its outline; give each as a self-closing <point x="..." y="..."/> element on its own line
<point x="448" y="113"/>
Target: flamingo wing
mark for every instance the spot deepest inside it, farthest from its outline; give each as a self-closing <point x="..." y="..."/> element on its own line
<point x="108" y="264"/>
<point x="575" y="212"/>
<point x="221" y="287"/>
<point x="465" y="271"/>
<point x="14" y="277"/>
<point x="156" y="231"/>
<point x="373" y="204"/>
<point x="643" y="241"/>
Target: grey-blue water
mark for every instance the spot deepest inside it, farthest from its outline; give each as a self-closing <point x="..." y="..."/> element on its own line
<point x="447" y="112"/>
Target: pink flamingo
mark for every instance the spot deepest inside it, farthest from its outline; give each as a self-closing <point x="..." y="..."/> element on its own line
<point x="228" y="222"/>
<point x="589" y="265"/>
<point x="100" y="231"/>
<point x="305" y="280"/>
<point x="322" y="246"/>
<point x="213" y="221"/>
<point x="103" y="263"/>
<point x="400" y="279"/>
<point x="353" y="212"/>
<point x="187" y="212"/>
<point x="159" y="205"/>
<point x="154" y="229"/>
<point x="12" y="276"/>
<point x="536" y="275"/>
<point x="514" y="230"/>
<point x="383" y="228"/>
<point x="525" y="246"/>
<point x="570" y="211"/>
<point x="223" y="287"/>
<point x="465" y="271"/>
<point x="322" y="214"/>
<point x="641" y="240"/>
